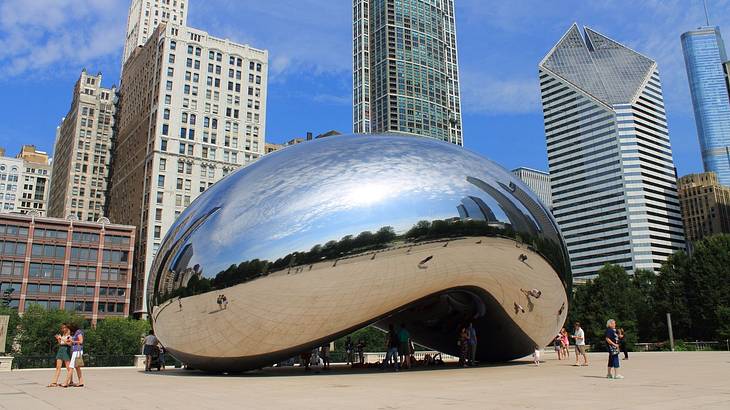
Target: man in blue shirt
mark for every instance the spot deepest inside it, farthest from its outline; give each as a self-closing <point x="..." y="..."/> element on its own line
<point x="613" y="350"/>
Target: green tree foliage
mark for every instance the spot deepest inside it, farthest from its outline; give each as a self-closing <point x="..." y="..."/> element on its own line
<point x="611" y="295"/>
<point x="116" y="336"/>
<point x="38" y="327"/>
<point x="13" y="323"/>
<point x="374" y="338"/>
<point x="694" y="289"/>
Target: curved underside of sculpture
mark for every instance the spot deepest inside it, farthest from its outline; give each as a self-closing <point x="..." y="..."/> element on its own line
<point x="318" y="240"/>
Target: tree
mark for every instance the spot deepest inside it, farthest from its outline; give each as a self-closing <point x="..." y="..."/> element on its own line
<point x="707" y="284"/>
<point x="13" y="323"/>
<point x="611" y="295"/>
<point x="375" y="339"/>
<point x="38" y="327"/>
<point x="644" y="282"/>
<point x="670" y="297"/>
<point x="116" y="336"/>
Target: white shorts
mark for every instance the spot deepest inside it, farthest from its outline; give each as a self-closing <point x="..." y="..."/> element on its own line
<point x="74" y="355"/>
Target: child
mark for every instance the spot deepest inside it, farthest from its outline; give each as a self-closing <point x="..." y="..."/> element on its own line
<point x="536" y="356"/>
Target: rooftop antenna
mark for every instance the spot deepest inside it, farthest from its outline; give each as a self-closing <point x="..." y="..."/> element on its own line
<point x="707" y="14"/>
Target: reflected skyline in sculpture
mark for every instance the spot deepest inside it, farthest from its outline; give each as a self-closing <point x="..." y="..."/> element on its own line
<point x="287" y="224"/>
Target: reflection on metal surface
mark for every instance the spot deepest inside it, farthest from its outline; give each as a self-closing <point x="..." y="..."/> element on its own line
<point x="319" y="239"/>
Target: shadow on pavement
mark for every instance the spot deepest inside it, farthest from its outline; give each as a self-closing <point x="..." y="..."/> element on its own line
<point x="335" y="370"/>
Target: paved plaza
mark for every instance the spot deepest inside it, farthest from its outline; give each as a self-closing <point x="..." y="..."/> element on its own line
<point x="662" y="380"/>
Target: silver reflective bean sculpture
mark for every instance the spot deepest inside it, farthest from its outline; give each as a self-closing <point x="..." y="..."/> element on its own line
<point x="319" y="239"/>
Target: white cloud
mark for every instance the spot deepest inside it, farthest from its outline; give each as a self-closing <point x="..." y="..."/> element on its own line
<point x="42" y="36"/>
<point x="482" y="93"/>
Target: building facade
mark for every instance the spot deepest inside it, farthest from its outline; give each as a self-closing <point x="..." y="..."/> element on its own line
<point x="36" y="182"/>
<point x="538" y="181"/>
<point x="145" y="15"/>
<point x="11" y="180"/>
<point x="705" y="205"/>
<point x="82" y="152"/>
<point x="704" y="56"/>
<point x="192" y="109"/>
<point x="612" y="175"/>
<point x="405" y="68"/>
<point x="64" y="264"/>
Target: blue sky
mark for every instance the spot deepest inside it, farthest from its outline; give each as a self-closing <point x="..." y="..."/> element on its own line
<point x="45" y="43"/>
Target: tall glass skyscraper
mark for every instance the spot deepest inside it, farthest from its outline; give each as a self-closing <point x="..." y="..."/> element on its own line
<point x="405" y="68"/>
<point x="614" y="189"/>
<point x="704" y="55"/>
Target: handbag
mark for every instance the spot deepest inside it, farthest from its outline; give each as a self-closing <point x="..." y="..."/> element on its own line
<point x="79" y="362"/>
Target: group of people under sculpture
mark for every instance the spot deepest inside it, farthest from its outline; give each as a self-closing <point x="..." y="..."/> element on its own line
<point x="70" y="355"/>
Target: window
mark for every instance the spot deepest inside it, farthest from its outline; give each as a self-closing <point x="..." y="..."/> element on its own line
<point x="163" y="145"/>
<point x="163" y="164"/>
<point x="160" y="181"/>
<point x="160" y="197"/>
<point x="157" y="232"/>
<point x="165" y="129"/>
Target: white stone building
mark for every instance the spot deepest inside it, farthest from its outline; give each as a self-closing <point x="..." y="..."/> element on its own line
<point x="11" y="180"/>
<point x="192" y="109"/>
<point x="145" y="15"/>
<point x="82" y="152"/>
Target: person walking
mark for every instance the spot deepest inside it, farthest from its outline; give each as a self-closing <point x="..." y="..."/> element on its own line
<point x="219" y="301"/>
<point x="63" y="352"/>
<point x="622" y="343"/>
<point x="580" y="344"/>
<point x="150" y="344"/>
<point x="77" y="356"/>
<point x="391" y="355"/>
<point x="612" y="343"/>
<point x="472" y="344"/>
<point x="404" y="346"/>
<point x="463" y="345"/>
<point x="224" y="302"/>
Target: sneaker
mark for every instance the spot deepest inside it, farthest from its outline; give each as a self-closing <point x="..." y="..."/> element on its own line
<point x="608" y="376"/>
<point x="618" y="376"/>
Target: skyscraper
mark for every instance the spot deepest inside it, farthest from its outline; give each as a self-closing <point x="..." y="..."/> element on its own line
<point x="704" y="55"/>
<point x="192" y="109"/>
<point x="82" y="152"/>
<point x="405" y="68"/>
<point x="538" y="181"/>
<point x="612" y="174"/>
<point x="145" y="15"/>
<point x="705" y="205"/>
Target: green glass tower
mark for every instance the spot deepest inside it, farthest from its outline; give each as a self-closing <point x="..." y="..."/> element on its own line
<point x="405" y="68"/>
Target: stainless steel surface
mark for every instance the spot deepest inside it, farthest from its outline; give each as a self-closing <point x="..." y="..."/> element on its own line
<point x="321" y="238"/>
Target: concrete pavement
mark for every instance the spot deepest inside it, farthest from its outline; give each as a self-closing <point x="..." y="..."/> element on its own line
<point x="656" y="380"/>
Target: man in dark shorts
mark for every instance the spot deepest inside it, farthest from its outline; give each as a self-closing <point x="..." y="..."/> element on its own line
<point x="613" y="350"/>
<point x="404" y="346"/>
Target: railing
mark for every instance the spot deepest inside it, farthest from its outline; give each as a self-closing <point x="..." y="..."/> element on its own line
<point x="697" y="345"/>
<point x="90" y="360"/>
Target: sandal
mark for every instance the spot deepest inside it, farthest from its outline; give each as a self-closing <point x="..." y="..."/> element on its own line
<point x="53" y="385"/>
<point x="78" y="385"/>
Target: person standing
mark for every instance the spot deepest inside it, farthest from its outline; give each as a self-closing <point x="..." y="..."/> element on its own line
<point x="219" y="301"/>
<point x="622" y="343"/>
<point x="580" y="344"/>
<point x="224" y="302"/>
<point x="150" y="343"/>
<point x="63" y="354"/>
<point x="324" y="353"/>
<point x="612" y="343"/>
<point x="557" y="345"/>
<point x="77" y="356"/>
<point x="361" y="350"/>
<point x="349" y="349"/>
<point x="565" y="343"/>
<point x="404" y="346"/>
<point x="391" y="355"/>
<point x="463" y="346"/>
<point x="472" y="344"/>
